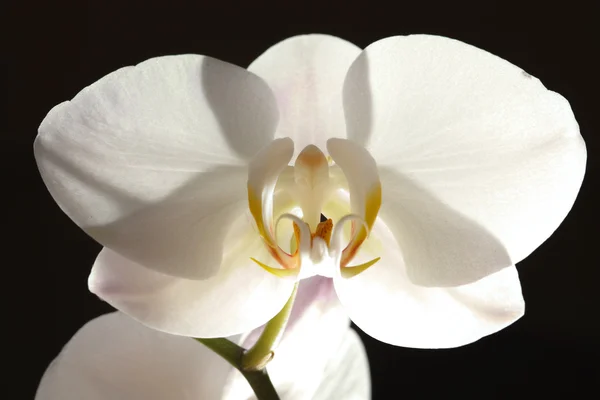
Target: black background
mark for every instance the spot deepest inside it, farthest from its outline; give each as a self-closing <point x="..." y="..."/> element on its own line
<point x="54" y="50"/>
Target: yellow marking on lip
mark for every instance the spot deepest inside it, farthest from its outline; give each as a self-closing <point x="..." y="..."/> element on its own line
<point x="279" y="272"/>
<point x="286" y="260"/>
<point x="323" y="230"/>
<point x="349" y="272"/>
<point x="372" y="206"/>
<point x="255" y="206"/>
<point x="297" y="235"/>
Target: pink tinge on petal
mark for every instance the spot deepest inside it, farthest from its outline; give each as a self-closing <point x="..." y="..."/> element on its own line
<point x="316" y="292"/>
<point x="306" y="74"/>
<point x="317" y="328"/>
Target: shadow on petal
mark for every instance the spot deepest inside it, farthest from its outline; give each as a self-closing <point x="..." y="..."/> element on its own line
<point x="183" y="234"/>
<point x="484" y="298"/>
<point x="440" y="246"/>
<point x="358" y="111"/>
<point x="220" y="95"/>
<point x="123" y="201"/>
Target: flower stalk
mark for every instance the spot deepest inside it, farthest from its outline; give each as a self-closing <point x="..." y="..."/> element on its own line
<point x="259" y="379"/>
<point x="251" y="363"/>
<point x="257" y="357"/>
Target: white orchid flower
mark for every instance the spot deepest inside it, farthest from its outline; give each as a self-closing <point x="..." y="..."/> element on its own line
<point x="438" y="165"/>
<point x="114" y="357"/>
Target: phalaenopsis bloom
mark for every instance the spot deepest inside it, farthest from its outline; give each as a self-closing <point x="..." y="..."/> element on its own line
<point x="414" y="174"/>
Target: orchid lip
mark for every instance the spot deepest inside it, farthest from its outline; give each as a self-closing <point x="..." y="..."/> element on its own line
<point x="316" y="247"/>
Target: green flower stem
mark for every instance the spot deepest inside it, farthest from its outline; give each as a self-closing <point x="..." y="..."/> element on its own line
<point x="261" y="384"/>
<point x="258" y="379"/>
<point x="252" y="363"/>
<point x="257" y="357"/>
<point x="228" y="350"/>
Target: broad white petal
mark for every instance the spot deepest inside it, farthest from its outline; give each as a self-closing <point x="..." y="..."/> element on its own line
<point x="151" y="160"/>
<point x="239" y="298"/>
<point x="307" y="74"/>
<point x="347" y="374"/>
<point x="385" y="304"/>
<point x="115" y="358"/>
<point x="480" y="162"/>
<point x="315" y="303"/>
<point x="317" y="329"/>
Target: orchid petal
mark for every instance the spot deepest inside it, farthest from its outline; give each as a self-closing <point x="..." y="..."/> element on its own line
<point x="479" y="162"/>
<point x="384" y="303"/>
<point x="240" y="297"/>
<point x="114" y="357"/>
<point x="151" y="160"/>
<point x="317" y="327"/>
<point x="306" y="74"/>
<point x="314" y="338"/>
<point x="346" y="376"/>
